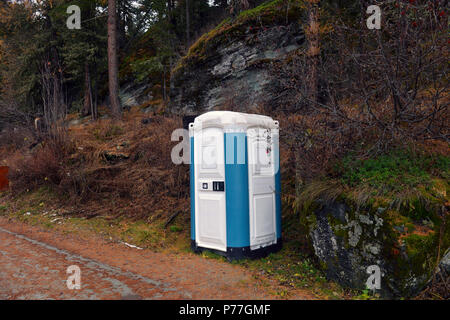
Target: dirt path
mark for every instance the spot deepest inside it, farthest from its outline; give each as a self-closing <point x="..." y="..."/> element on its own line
<point x="33" y="264"/>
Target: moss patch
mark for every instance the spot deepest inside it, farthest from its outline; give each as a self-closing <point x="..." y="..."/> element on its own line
<point x="396" y="171"/>
<point x="395" y="216"/>
<point x="406" y="238"/>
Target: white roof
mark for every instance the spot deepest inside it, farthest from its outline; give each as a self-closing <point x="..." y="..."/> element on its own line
<point x="230" y="119"/>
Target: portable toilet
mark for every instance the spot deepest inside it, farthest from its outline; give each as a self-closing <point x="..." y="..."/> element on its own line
<point x="235" y="184"/>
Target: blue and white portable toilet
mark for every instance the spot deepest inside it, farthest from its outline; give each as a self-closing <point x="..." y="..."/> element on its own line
<point x="235" y="184"/>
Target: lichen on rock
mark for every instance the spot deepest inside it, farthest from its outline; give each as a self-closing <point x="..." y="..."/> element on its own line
<point x="348" y="239"/>
<point x="227" y="68"/>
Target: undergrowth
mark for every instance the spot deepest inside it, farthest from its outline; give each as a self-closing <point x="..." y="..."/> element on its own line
<point x="109" y="167"/>
<point x="392" y="172"/>
<point x="412" y="183"/>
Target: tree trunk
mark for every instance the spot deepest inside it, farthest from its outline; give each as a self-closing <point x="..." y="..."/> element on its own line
<point x="164" y="84"/>
<point x="298" y="174"/>
<point x="121" y="16"/>
<point x="188" y="38"/>
<point x="312" y="35"/>
<point x="87" y="91"/>
<point x="94" y="103"/>
<point x="112" y="60"/>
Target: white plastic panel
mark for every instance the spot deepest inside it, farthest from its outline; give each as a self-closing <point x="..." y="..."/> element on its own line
<point x="261" y="188"/>
<point x="231" y="119"/>
<point x="263" y="226"/>
<point x="263" y="185"/>
<point x="211" y="221"/>
<point x="210" y="206"/>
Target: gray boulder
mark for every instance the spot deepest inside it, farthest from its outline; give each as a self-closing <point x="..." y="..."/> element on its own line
<point x="351" y="241"/>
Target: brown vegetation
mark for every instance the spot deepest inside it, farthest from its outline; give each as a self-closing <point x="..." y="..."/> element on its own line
<point x="379" y="90"/>
<point x="111" y="167"/>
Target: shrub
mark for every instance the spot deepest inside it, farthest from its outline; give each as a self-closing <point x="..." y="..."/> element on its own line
<point x="142" y="182"/>
<point x="41" y="166"/>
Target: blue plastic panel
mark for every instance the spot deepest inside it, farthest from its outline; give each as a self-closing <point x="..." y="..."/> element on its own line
<point x="278" y="190"/>
<point x="192" y="187"/>
<point x="236" y="190"/>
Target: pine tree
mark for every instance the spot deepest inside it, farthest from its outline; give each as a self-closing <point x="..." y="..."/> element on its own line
<point x="113" y="80"/>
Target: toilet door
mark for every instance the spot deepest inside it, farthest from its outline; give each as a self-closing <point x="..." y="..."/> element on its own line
<point x="210" y="208"/>
<point x="261" y="174"/>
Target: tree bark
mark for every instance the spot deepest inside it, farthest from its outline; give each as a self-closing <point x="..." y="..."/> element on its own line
<point x="112" y="60"/>
<point x="188" y="38"/>
<point x="164" y="84"/>
<point x="312" y="35"/>
<point x="95" y="104"/>
<point x="87" y="91"/>
<point x="298" y="174"/>
<point x="121" y="16"/>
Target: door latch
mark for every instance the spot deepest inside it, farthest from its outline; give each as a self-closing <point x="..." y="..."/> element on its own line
<point x="218" y="186"/>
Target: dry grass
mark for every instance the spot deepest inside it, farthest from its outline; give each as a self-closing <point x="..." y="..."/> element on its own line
<point x="14" y="137"/>
<point x="109" y="167"/>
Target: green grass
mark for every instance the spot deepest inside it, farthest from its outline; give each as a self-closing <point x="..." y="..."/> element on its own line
<point x="268" y="7"/>
<point x="212" y="255"/>
<point x="392" y="172"/>
<point x="292" y="267"/>
<point x="176" y="228"/>
<point x="367" y="295"/>
<point x="294" y="270"/>
<point x="3" y="209"/>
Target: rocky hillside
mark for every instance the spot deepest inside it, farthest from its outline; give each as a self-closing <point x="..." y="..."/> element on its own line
<point x="398" y="225"/>
<point x="389" y="213"/>
<point x="227" y="68"/>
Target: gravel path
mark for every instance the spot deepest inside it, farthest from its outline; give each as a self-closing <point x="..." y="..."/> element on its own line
<point x="34" y="262"/>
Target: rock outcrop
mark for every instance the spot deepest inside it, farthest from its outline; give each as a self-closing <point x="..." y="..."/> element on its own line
<point x="229" y="67"/>
<point x="348" y="240"/>
<point x="232" y="67"/>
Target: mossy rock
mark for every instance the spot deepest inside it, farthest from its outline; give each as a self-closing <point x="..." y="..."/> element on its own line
<point x="238" y="59"/>
<point x="270" y="13"/>
<point x="348" y="238"/>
